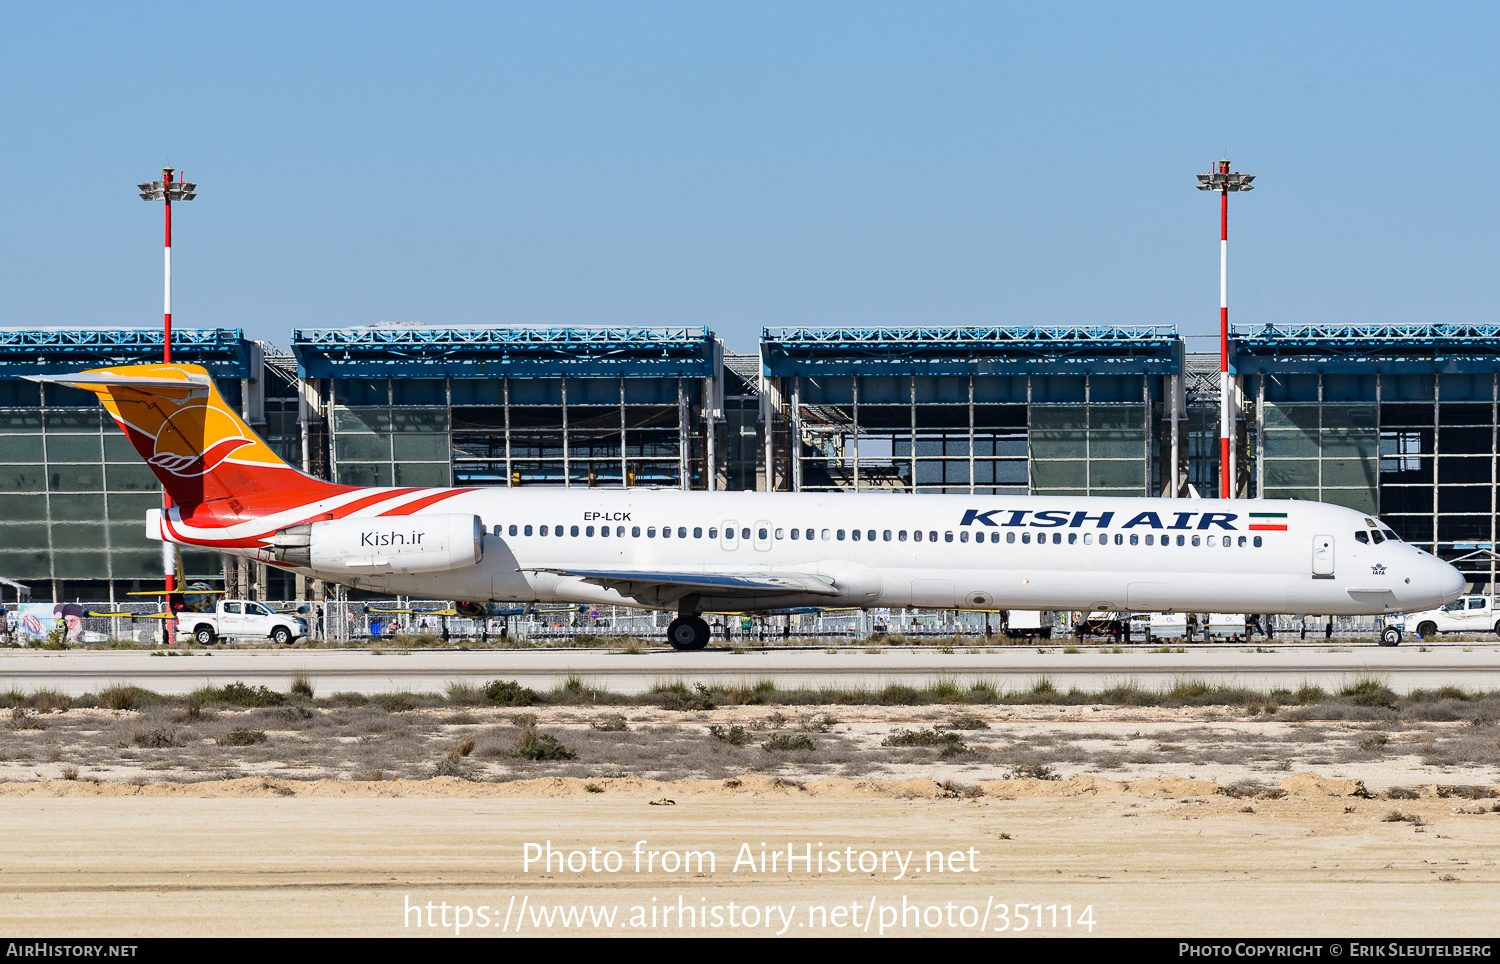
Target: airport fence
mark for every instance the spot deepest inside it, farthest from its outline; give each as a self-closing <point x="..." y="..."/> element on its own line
<point x="356" y="622"/>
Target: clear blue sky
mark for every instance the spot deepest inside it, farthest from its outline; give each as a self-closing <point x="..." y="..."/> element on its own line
<point x="740" y="166"/>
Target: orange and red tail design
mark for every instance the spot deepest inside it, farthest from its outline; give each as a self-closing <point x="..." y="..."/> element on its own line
<point x="196" y="444"/>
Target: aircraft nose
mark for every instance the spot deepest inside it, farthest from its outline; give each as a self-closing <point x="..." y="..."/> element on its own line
<point x="1451" y="582"/>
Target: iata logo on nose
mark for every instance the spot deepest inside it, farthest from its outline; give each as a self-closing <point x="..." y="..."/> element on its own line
<point x="195" y="439"/>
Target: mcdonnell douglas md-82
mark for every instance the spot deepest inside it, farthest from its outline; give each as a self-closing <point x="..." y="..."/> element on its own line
<point x="696" y="552"/>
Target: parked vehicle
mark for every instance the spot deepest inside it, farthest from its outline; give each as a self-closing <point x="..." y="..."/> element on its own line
<point x="1117" y="625"/>
<point x="1225" y="626"/>
<point x="239" y="619"/>
<point x="1466" y="614"/>
<point x="1028" y="624"/>
<point x="1168" y="625"/>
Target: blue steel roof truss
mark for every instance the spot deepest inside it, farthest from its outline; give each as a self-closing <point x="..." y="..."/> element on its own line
<point x="224" y="352"/>
<point x="493" y="352"/>
<point x="1394" y="349"/>
<point x="1062" y="350"/>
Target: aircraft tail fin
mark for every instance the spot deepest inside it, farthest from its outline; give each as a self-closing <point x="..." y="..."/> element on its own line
<point x="195" y="443"/>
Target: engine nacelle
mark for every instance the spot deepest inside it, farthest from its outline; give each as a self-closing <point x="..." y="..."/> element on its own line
<point x="384" y="544"/>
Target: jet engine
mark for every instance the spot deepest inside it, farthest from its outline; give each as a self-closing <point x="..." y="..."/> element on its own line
<point x="383" y="544"/>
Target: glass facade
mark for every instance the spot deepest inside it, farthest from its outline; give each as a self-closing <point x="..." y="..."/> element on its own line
<point x="982" y="434"/>
<point x="1418" y="449"/>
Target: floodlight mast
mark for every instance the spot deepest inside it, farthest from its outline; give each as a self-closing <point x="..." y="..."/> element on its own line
<point x="167" y="190"/>
<point x="1223" y="181"/>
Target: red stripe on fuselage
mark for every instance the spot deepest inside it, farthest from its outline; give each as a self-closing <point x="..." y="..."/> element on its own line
<point x="424" y="502"/>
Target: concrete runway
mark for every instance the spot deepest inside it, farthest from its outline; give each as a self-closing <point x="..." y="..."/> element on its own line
<point x="1470" y="665"/>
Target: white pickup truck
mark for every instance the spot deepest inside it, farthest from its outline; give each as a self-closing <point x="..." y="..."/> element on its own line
<point x="1027" y="623"/>
<point x="1466" y="614"/>
<point x="239" y="619"/>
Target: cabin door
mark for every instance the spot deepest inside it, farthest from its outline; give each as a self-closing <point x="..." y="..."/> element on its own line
<point x="1322" y="557"/>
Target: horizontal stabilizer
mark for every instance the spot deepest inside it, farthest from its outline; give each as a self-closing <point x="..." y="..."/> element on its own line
<point x="192" y="384"/>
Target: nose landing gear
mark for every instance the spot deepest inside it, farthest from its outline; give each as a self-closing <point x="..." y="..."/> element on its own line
<point x="1390" y="637"/>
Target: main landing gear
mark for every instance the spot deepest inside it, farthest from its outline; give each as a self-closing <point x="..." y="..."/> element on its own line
<point x="688" y="633"/>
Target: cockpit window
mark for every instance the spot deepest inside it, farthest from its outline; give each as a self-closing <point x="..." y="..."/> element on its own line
<point x="1391" y="535"/>
<point x="1375" y="534"/>
<point x="1359" y="536"/>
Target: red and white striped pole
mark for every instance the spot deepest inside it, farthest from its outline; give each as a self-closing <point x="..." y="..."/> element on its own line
<point x="1223" y="181"/>
<point x="1226" y="421"/>
<point x="168" y="549"/>
<point x="166" y="190"/>
<point x="166" y="329"/>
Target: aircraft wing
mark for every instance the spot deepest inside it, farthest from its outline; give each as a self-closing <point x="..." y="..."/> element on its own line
<point x="631" y="582"/>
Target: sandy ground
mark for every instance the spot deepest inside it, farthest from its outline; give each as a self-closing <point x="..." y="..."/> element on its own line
<point x="1178" y="865"/>
<point x="1137" y="851"/>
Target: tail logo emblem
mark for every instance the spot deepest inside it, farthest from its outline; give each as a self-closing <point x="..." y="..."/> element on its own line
<point x="185" y="434"/>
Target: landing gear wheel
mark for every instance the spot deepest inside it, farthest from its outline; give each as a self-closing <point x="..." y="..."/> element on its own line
<point x="688" y="633"/>
<point x="1391" y="637"/>
<point x="203" y="636"/>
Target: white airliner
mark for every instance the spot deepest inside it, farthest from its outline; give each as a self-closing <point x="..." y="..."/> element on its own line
<point x="696" y="552"/>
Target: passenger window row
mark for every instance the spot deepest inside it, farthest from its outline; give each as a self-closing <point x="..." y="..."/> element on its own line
<point x="901" y="535"/>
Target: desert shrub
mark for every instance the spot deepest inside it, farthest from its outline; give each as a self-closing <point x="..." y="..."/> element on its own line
<point x="155" y="737"/>
<point x="531" y="745"/>
<point x="676" y="696"/>
<point x="191" y="710"/>
<point x="239" y="694"/>
<point x="460" y="693"/>
<point x="899" y="694"/>
<point x="1128" y="694"/>
<point x="610" y="723"/>
<point x="733" y="735"/>
<point x="1253" y="788"/>
<point x="46" y="701"/>
<point x="1370" y="692"/>
<point x="452" y="764"/>
<point x="949" y="742"/>
<point x="573" y="691"/>
<point x="302" y="686"/>
<point x="394" y="702"/>
<point x="1309" y="694"/>
<point x="788" y="742"/>
<point x="508" y="693"/>
<point x="128" y="697"/>
<point x="1441" y="711"/>
<point x="1036" y="771"/>
<point x="242" y="737"/>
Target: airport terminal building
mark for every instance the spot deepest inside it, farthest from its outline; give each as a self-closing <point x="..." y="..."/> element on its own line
<point x="1395" y="420"/>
